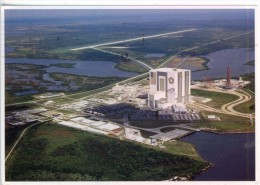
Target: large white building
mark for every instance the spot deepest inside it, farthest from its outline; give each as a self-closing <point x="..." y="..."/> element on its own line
<point x="169" y="87"/>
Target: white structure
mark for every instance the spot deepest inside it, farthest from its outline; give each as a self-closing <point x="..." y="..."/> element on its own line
<point x="124" y="88"/>
<point x="168" y="87"/>
<point x="135" y="135"/>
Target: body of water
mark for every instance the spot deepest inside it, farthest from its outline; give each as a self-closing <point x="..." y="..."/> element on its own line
<point x="27" y="92"/>
<point x="219" y="61"/>
<point x="233" y="155"/>
<point x="154" y="55"/>
<point x="9" y="50"/>
<point x="88" y="68"/>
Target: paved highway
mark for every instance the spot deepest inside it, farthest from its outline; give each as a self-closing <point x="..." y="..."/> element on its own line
<point x="138" y="76"/>
<point x="130" y="58"/>
<point x="229" y="107"/>
<point x="203" y="45"/>
<point x="134" y="39"/>
<point x="22" y="136"/>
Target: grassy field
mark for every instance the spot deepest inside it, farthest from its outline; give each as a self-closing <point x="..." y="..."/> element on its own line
<point x="146" y="134"/>
<point x="22" y="67"/>
<point x="55" y="152"/>
<point x="250" y="77"/>
<point x="182" y="148"/>
<point x="11" y="135"/>
<point x="196" y="63"/>
<point x="228" y="123"/>
<point x="85" y="82"/>
<point x="10" y="98"/>
<point x="247" y="107"/>
<point x="64" y="65"/>
<point x="244" y="41"/>
<point x="130" y="66"/>
<point x="218" y="99"/>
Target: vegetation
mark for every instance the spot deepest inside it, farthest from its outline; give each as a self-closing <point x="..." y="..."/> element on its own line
<point x="251" y="62"/>
<point x="23" y="66"/>
<point x="10" y="98"/>
<point x="85" y="82"/>
<point x="244" y="41"/>
<point x="146" y="134"/>
<point x="11" y="135"/>
<point x="218" y="99"/>
<point x="194" y="63"/>
<point x="64" y="65"/>
<point x="247" y="107"/>
<point x="130" y="66"/>
<point x="54" y="152"/>
<point x="227" y="124"/>
<point x="182" y="148"/>
<point x="167" y="129"/>
<point x="250" y="77"/>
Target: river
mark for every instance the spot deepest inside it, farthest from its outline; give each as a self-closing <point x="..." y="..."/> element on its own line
<point x="219" y="61"/>
<point x="233" y="155"/>
<point x="88" y="68"/>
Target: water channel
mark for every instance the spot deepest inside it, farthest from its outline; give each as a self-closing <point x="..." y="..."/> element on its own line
<point x="88" y="68"/>
<point x="219" y="61"/>
<point x="233" y="155"/>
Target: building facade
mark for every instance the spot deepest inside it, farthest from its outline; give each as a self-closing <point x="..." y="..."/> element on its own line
<point x="168" y="87"/>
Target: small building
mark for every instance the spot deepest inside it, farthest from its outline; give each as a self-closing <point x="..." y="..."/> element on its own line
<point x="117" y="131"/>
<point x="49" y="102"/>
<point x="211" y="117"/>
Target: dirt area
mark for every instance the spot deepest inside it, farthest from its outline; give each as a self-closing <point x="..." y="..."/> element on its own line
<point x="193" y="63"/>
<point x="59" y="132"/>
<point x="174" y="62"/>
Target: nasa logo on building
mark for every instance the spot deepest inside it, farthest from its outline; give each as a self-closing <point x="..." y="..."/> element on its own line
<point x="171" y="80"/>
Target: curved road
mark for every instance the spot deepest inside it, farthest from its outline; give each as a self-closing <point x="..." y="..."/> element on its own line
<point x="19" y="140"/>
<point x="229" y="107"/>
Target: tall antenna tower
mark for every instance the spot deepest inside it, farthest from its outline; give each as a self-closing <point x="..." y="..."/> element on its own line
<point x="228" y="84"/>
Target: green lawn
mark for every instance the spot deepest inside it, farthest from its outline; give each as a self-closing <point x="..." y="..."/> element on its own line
<point x="130" y="66"/>
<point x="50" y="152"/>
<point x="228" y="123"/>
<point x="247" y="107"/>
<point x="218" y="99"/>
<point x="182" y="148"/>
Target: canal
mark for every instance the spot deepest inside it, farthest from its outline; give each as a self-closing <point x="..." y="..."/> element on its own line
<point x="233" y="155"/>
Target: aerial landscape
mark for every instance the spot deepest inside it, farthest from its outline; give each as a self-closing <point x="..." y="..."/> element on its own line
<point x="129" y="94"/>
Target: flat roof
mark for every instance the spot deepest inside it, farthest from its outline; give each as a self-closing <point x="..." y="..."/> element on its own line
<point x="168" y="69"/>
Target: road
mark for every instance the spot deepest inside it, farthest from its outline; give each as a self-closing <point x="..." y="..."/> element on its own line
<point x="21" y="137"/>
<point x="229" y="107"/>
<point x="186" y="58"/>
<point x="157" y="130"/>
<point x="203" y="45"/>
<point x="138" y="76"/>
<point x="134" y="39"/>
<point x="132" y="59"/>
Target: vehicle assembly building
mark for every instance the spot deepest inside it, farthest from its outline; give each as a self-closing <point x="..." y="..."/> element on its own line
<point x="169" y="87"/>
